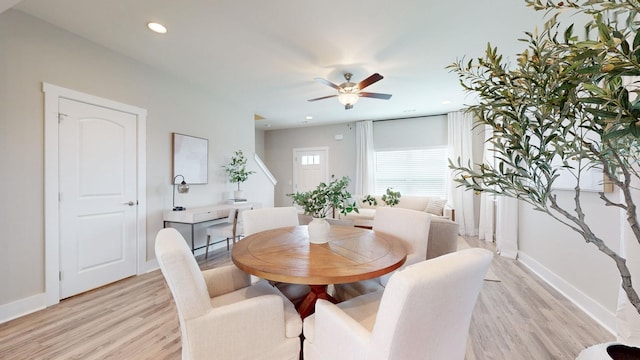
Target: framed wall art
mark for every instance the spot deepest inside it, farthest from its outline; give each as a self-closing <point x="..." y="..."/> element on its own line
<point x="191" y="158"/>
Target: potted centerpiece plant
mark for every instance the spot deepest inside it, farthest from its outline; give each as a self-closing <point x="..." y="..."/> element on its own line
<point x="322" y="202"/>
<point x="237" y="171"/>
<point x="568" y="104"/>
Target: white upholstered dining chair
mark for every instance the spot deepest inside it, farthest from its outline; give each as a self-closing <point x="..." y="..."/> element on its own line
<point x="221" y="313"/>
<point x="263" y="219"/>
<point x="412" y="227"/>
<point x="423" y="313"/>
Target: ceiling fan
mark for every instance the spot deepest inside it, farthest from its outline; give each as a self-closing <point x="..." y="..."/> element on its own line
<point x="349" y="93"/>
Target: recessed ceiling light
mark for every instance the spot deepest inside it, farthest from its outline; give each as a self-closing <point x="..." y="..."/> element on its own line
<point x="446" y="102"/>
<point x="308" y="117"/>
<point x="157" y="27"/>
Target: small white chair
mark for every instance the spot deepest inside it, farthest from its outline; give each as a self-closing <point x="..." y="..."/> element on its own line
<point x="423" y="313"/>
<point x="257" y="220"/>
<point x="412" y="226"/>
<point x="223" y="316"/>
<point x="229" y="230"/>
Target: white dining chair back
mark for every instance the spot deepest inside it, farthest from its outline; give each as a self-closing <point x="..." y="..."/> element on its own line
<point x="263" y="219"/>
<point x="411" y="227"/>
<point x="257" y="220"/>
<point x="423" y="314"/>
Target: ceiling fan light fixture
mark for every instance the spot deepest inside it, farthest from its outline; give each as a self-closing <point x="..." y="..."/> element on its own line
<point x="348" y="99"/>
<point x="349" y="93"/>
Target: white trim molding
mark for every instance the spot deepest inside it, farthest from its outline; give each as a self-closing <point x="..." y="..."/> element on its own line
<point x="265" y="169"/>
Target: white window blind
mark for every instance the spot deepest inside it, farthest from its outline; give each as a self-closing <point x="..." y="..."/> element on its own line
<point x="413" y="171"/>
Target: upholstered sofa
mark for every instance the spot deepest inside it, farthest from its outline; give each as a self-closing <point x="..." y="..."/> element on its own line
<point x="433" y="205"/>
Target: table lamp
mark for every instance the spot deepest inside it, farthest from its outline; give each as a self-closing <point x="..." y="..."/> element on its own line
<point x="183" y="188"/>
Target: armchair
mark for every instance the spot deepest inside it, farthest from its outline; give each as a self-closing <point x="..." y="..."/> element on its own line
<point x="220" y="312"/>
<point x="423" y="313"/>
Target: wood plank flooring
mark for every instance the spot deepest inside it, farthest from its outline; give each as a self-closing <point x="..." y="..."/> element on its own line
<point x="519" y="317"/>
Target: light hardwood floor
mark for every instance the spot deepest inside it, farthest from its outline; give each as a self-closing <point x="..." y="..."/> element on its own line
<point x="519" y="317"/>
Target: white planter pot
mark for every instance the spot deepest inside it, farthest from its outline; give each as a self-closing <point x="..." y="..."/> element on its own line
<point x="238" y="194"/>
<point x="318" y="231"/>
<point x="599" y="352"/>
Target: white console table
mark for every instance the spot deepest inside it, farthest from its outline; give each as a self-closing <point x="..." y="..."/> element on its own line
<point x="199" y="215"/>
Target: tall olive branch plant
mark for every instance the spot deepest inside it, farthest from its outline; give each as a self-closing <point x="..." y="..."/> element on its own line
<point x="567" y="105"/>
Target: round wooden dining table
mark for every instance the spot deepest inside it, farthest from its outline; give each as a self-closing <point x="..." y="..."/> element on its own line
<point x="286" y="255"/>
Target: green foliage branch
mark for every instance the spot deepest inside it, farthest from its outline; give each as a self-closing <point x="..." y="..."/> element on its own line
<point x="568" y="105"/>
<point x="321" y="201"/>
<point x="236" y="169"/>
<point x="391" y="198"/>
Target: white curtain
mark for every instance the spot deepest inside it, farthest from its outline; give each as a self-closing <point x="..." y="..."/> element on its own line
<point x="498" y="214"/>
<point x="365" y="158"/>
<point x="486" y="227"/>
<point x="507" y="226"/>
<point x="460" y="146"/>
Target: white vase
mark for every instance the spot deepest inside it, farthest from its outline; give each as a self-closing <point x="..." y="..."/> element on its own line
<point x="238" y="194"/>
<point x="318" y="231"/>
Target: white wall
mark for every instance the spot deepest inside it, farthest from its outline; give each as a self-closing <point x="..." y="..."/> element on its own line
<point x="259" y="142"/>
<point x="410" y="133"/>
<point x="561" y="256"/>
<point x="279" y="145"/>
<point x="32" y="52"/>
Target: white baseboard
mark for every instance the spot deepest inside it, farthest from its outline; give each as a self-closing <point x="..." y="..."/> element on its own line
<point x="38" y="302"/>
<point x="596" y="311"/>
<point x="148" y="266"/>
<point x="22" y="307"/>
<point x="152" y="265"/>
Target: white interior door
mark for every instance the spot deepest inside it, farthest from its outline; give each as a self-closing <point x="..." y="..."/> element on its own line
<point x="310" y="168"/>
<point x="98" y="197"/>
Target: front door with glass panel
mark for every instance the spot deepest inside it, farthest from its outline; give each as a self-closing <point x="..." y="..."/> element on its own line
<point x="310" y="168"/>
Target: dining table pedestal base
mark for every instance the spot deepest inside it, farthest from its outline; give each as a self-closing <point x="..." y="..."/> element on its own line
<point x="308" y="305"/>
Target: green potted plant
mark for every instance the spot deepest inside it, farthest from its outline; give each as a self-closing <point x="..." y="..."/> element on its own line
<point x="390" y="198"/>
<point x="564" y="106"/>
<point x="237" y="171"/>
<point x="321" y="202"/>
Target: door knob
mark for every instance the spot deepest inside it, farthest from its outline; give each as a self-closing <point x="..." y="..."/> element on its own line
<point x="130" y="203"/>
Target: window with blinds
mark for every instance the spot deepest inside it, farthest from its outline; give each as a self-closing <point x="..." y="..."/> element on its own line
<point x="412" y="172"/>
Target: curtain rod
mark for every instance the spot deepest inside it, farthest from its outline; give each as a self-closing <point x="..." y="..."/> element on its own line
<point x="408" y="117"/>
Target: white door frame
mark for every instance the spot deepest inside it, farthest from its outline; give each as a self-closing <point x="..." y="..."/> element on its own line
<point x="51" y="183"/>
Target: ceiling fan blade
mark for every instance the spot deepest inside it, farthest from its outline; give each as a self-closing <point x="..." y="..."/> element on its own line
<point x="321" y="98"/>
<point x="370" y="80"/>
<point x="327" y="82"/>
<point x="375" y="95"/>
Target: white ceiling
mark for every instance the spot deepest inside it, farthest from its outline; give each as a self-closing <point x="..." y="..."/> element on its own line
<point x="264" y="54"/>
